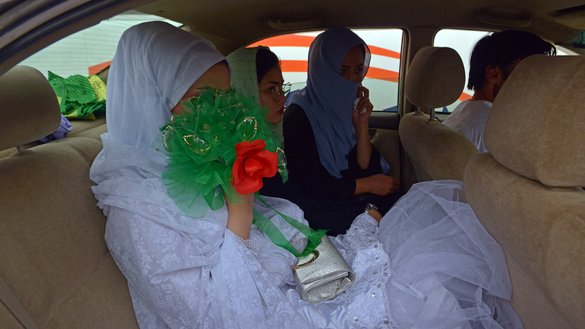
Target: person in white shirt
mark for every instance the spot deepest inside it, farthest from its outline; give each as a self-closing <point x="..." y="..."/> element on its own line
<point x="492" y="61"/>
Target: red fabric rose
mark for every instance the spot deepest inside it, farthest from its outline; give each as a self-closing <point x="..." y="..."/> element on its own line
<point x="252" y="164"/>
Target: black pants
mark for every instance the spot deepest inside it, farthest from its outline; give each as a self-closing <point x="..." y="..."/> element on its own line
<point x="336" y="215"/>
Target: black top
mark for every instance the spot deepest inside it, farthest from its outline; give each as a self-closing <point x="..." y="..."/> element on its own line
<point x="328" y="202"/>
<point x="305" y="166"/>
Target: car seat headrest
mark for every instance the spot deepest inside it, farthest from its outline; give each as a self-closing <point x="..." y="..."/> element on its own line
<point x="29" y="109"/>
<point x="435" y="78"/>
<point x="536" y="127"/>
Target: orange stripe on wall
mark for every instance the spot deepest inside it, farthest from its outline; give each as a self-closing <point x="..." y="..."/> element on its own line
<point x="384" y="52"/>
<point x="381" y="74"/>
<point x="464" y="96"/>
<point x="95" y="69"/>
<point x="293" y="40"/>
<point x="373" y="72"/>
<point x="293" y="66"/>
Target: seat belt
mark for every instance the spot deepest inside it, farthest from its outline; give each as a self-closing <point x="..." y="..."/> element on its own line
<point x="13" y="304"/>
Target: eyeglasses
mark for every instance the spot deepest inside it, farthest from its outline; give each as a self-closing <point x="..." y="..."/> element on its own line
<point x="277" y="91"/>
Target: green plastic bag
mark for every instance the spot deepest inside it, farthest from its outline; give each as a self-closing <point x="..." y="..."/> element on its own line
<point x="79" y="97"/>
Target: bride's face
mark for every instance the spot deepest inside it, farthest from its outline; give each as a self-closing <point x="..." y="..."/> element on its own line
<point x="216" y="77"/>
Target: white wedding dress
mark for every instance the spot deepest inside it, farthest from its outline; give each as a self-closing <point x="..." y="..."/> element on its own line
<point x="429" y="264"/>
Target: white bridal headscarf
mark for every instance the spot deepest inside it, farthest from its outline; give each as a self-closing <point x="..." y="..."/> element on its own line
<point x="154" y="66"/>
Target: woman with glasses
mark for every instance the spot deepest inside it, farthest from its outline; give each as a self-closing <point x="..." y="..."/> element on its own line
<point x="329" y="153"/>
<point x="255" y="72"/>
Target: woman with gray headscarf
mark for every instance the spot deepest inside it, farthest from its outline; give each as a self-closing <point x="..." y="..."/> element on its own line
<point x="326" y="137"/>
<point x="214" y="268"/>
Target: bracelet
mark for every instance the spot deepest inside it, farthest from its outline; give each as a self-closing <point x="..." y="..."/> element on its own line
<point x="370" y="207"/>
<point x="252" y="244"/>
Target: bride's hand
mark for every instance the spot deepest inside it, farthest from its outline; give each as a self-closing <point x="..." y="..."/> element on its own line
<point x="240" y="214"/>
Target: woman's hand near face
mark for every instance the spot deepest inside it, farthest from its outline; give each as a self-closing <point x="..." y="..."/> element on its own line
<point x="362" y="110"/>
<point x="240" y="214"/>
<point x="361" y="120"/>
<point x="379" y="184"/>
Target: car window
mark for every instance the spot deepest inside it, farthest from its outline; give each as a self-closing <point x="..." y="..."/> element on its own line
<point x="574" y="45"/>
<point x="88" y="51"/>
<point x="462" y="41"/>
<point x="382" y="76"/>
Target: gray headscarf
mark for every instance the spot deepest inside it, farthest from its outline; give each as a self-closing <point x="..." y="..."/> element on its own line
<point x="328" y="98"/>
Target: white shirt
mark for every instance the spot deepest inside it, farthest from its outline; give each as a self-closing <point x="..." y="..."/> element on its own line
<point x="469" y="118"/>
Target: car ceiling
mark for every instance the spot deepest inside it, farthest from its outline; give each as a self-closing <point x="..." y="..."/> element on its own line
<point x="233" y="23"/>
<point x="27" y="26"/>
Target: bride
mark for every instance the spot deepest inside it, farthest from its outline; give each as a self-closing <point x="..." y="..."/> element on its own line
<point x="195" y="261"/>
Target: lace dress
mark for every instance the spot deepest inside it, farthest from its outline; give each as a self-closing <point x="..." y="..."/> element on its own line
<point x="429" y="264"/>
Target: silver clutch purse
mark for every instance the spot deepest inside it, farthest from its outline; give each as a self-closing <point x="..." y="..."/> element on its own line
<point x="323" y="274"/>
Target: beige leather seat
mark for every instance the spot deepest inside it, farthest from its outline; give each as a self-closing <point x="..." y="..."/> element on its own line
<point x="435" y="79"/>
<point x="29" y="107"/>
<point x="527" y="190"/>
<point x="23" y="118"/>
<point x="54" y="262"/>
<point x="91" y="129"/>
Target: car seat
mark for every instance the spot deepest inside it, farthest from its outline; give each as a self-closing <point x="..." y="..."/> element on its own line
<point x="527" y="190"/>
<point x="434" y="79"/>
<point x="55" y="268"/>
